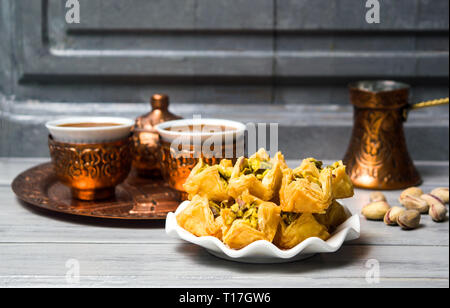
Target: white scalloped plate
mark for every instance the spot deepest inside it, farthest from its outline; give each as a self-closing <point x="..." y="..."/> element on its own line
<point x="264" y="251"/>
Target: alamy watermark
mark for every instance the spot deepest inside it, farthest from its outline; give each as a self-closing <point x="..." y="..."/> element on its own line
<point x="73" y="12"/>
<point x="373" y="273"/>
<point x="373" y="14"/>
<point x="73" y="271"/>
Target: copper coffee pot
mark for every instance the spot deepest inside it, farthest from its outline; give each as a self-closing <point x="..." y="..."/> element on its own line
<point x="377" y="156"/>
<point x="146" y="138"/>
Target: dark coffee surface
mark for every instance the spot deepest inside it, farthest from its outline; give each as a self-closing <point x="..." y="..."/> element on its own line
<point x="89" y="124"/>
<point x="201" y="128"/>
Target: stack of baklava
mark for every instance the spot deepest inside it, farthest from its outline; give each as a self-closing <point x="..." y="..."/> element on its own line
<point x="260" y="198"/>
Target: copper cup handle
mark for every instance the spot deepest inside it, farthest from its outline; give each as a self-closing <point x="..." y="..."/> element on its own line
<point x="425" y="104"/>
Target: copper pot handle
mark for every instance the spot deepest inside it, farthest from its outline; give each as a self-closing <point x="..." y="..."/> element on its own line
<point x="425" y="104"/>
<point x="435" y="102"/>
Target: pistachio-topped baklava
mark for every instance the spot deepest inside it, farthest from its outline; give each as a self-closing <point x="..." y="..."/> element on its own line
<point x="341" y="183"/>
<point x="259" y="174"/>
<point x="209" y="181"/>
<point x="199" y="218"/>
<point x="311" y="187"/>
<point x="306" y="189"/>
<point x="248" y="220"/>
<point x="334" y="216"/>
<point x="260" y="198"/>
<point x="294" y="228"/>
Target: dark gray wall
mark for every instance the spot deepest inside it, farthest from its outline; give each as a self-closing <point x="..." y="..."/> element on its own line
<point x="279" y="52"/>
<point x="250" y="51"/>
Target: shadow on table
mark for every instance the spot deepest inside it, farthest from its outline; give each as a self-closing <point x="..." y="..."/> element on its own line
<point x="93" y="221"/>
<point x="319" y="262"/>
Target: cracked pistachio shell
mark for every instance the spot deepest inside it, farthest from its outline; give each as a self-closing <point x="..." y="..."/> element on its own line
<point x="438" y="212"/>
<point x="413" y="191"/>
<point x="431" y="199"/>
<point x="415" y="203"/>
<point x="441" y="193"/>
<point x="392" y="215"/>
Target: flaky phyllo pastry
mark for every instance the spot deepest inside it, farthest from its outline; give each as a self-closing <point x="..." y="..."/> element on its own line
<point x="199" y="219"/>
<point x="333" y="217"/>
<point x="260" y="198"/>
<point x="259" y="175"/>
<point x="306" y="189"/>
<point x="248" y="220"/>
<point x="311" y="188"/>
<point x="209" y="181"/>
<point x="342" y="185"/>
<point x="294" y="228"/>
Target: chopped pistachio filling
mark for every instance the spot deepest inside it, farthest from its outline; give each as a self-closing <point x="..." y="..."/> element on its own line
<point x="224" y="172"/>
<point x="247" y="212"/>
<point x="261" y="176"/>
<point x="335" y="165"/>
<point x="289" y="218"/>
<point x="253" y="165"/>
<point x="318" y="163"/>
<point x="308" y="176"/>
<point x="216" y="207"/>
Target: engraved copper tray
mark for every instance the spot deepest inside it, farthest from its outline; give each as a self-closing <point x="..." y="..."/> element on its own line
<point x="137" y="198"/>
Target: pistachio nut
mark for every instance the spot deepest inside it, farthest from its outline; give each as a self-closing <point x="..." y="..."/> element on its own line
<point x="413" y="191"/>
<point x="431" y="199"/>
<point x="375" y="210"/>
<point x="441" y="193"/>
<point x="391" y="216"/>
<point x="377" y="196"/>
<point x="438" y="212"/>
<point x="409" y="219"/>
<point x="414" y="203"/>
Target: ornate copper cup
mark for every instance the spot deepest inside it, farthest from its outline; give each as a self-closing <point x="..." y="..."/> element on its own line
<point x="91" y="170"/>
<point x="377" y="156"/>
<point x="178" y="160"/>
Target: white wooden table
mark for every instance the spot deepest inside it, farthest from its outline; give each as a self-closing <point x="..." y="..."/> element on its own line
<point x="36" y="246"/>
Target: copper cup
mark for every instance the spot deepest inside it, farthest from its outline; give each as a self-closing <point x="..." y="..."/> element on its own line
<point x="377" y="156"/>
<point x="92" y="171"/>
<point x="182" y="144"/>
<point x="91" y="155"/>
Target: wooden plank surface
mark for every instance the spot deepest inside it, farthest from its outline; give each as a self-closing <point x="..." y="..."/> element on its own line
<point x="35" y="245"/>
<point x="11" y="167"/>
<point x="158" y="265"/>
